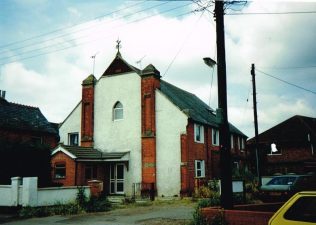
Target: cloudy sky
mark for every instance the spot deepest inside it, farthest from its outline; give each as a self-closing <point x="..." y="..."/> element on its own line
<point x="46" y="48"/>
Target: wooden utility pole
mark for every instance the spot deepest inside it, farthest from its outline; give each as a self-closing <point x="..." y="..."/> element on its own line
<point x="224" y="136"/>
<point x="255" y="121"/>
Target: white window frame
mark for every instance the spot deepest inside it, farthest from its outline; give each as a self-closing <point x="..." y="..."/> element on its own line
<point x="242" y="147"/>
<point x="216" y="143"/>
<point x="60" y="166"/>
<point x="279" y="152"/>
<point x="74" y="133"/>
<point x="118" y="107"/>
<point x="232" y="141"/>
<point x="198" y="130"/>
<point x="236" y="165"/>
<point x="199" y="168"/>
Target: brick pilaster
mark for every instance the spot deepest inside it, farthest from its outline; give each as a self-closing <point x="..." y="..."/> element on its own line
<point x="87" y="111"/>
<point x="150" y="81"/>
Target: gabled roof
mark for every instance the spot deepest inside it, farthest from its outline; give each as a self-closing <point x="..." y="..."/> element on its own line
<point x="25" y="118"/>
<point x="90" y="153"/>
<point x="118" y="66"/>
<point x="294" y="129"/>
<point x="187" y="102"/>
<point x="192" y="106"/>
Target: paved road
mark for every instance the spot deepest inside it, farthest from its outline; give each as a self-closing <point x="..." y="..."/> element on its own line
<point x="149" y="215"/>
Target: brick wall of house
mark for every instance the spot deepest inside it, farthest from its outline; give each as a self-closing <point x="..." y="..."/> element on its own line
<point x="148" y="143"/>
<point x="292" y="154"/>
<point x="185" y="185"/>
<point x="70" y="165"/>
<point x="191" y="151"/>
<point x="291" y="160"/>
<point x="25" y="136"/>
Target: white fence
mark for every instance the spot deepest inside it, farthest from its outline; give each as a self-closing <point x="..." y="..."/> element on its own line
<point x="29" y="195"/>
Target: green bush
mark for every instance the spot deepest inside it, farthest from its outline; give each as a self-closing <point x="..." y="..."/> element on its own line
<point x="81" y="197"/>
<point x="59" y="209"/>
<point x="97" y="204"/>
<point x="82" y="204"/>
<point x="198" y="219"/>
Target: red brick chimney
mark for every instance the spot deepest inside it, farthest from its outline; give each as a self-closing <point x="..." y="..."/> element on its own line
<point x="150" y="82"/>
<point x="87" y="111"/>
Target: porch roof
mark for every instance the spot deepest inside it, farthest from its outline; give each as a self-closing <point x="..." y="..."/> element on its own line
<point x="90" y="154"/>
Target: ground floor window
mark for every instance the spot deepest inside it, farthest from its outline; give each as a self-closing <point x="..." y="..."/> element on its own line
<point x="199" y="168"/>
<point x="91" y="172"/>
<point x="60" y="170"/>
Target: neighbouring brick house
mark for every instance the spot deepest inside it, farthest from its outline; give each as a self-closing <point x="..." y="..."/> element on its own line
<point x="288" y="147"/>
<point x="26" y="124"/>
<point x="132" y="128"/>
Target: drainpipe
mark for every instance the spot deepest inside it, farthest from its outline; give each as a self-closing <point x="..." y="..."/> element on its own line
<point x="75" y="172"/>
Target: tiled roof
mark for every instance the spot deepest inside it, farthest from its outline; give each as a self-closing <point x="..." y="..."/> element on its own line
<point x="92" y="153"/>
<point x="294" y="129"/>
<point x="21" y="117"/>
<point x="118" y="66"/>
<point x="192" y="106"/>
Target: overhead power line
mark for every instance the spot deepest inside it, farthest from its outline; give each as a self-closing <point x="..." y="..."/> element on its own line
<point x="71" y="33"/>
<point x="269" y="13"/>
<point x="284" y="81"/>
<point x="79" y="44"/>
<point x="182" y="46"/>
<point x="289" y="67"/>
<point x="69" y="27"/>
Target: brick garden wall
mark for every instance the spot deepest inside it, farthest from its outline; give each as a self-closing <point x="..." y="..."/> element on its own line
<point x="239" y="217"/>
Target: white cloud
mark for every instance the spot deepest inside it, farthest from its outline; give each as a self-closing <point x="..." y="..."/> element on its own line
<point x="54" y="84"/>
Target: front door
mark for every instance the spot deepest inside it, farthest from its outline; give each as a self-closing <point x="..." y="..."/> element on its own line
<point x="117" y="179"/>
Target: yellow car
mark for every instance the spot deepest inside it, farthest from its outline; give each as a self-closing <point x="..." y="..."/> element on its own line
<point x="298" y="210"/>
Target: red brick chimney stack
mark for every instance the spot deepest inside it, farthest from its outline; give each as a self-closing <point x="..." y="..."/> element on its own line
<point x="150" y="82"/>
<point x="87" y="111"/>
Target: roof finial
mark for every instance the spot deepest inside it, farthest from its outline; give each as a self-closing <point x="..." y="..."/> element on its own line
<point x="118" y="46"/>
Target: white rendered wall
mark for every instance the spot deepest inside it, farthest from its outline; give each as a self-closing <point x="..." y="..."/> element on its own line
<point x="170" y="124"/>
<point x="5" y="195"/>
<point x="121" y="135"/>
<point x="58" y="195"/>
<point x="71" y="125"/>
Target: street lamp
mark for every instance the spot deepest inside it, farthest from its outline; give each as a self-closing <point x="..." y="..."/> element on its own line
<point x="210" y="62"/>
<point x="224" y="141"/>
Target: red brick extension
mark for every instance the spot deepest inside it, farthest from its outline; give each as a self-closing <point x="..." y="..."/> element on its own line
<point x="72" y="178"/>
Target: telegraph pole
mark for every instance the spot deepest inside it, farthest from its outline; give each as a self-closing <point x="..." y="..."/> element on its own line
<point x="255" y="120"/>
<point x="224" y="137"/>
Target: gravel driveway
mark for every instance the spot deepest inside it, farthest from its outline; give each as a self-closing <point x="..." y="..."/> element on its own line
<point x="165" y="214"/>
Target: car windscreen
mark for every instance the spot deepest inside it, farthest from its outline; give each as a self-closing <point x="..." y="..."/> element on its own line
<point x="282" y="181"/>
<point x="304" y="209"/>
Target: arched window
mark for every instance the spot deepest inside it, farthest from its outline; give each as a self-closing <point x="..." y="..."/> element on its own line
<point x="118" y="111"/>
